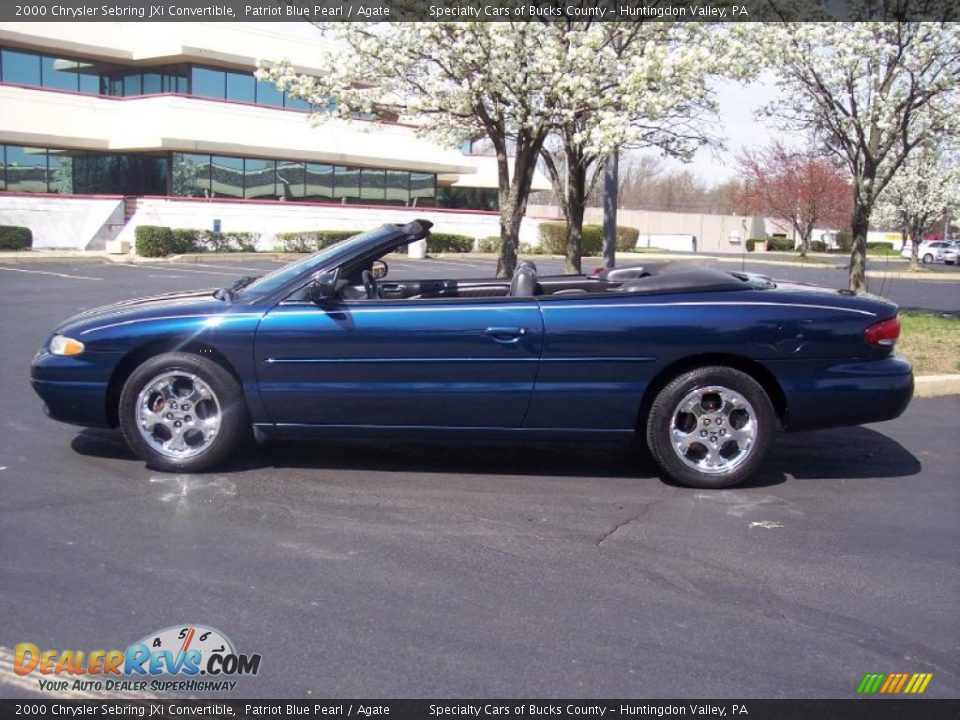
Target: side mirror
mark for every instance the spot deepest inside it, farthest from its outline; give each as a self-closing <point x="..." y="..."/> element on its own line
<point x="321" y="289"/>
<point x="379" y="269"/>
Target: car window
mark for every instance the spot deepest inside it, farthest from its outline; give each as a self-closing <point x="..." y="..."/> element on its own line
<point x="282" y="276"/>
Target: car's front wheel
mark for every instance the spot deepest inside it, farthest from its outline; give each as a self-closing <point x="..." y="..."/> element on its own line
<point x="927" y="259"/>
<point x="710" y="427"/>
<point x="182" y="413"/>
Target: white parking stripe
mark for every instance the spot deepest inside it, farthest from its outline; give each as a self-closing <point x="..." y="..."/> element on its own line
<point x="48" y="272"/>
<point x="237" y="267"/>
<point x="168" y="269"/>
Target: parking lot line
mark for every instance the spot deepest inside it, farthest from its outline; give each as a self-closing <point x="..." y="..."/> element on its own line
<point x="48" y="272"/>
<point x="167" y="268"/>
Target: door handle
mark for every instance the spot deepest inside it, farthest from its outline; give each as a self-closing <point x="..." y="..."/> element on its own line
<point x="505" y="334"/>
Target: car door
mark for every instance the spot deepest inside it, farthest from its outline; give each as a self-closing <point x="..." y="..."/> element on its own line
<point x="427" y="363"/>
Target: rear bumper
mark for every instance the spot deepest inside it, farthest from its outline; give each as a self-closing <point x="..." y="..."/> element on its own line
<point x="847" y="394"/>
<point x="73" y="389"/>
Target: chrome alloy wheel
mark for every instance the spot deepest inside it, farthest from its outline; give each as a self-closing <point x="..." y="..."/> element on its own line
<point x="713" y="429"/>
<point x="178" y="414"/>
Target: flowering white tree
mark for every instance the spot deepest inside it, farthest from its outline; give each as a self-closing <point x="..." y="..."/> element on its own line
<point x="871" y="92"/>
<point x="927" y="186"/>
<point x="459" y="80"/>
<point x="635" y="85"/>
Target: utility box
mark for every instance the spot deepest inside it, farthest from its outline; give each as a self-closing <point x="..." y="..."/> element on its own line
<point x="417" y="250"/>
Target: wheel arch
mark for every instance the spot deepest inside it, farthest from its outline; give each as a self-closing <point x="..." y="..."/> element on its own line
<point x="140" y="354"/>
<point x="754" y="369"/>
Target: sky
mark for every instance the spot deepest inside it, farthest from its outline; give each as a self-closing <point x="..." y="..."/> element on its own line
<point x="738" y="104"/>
<point x="740" y="128"/>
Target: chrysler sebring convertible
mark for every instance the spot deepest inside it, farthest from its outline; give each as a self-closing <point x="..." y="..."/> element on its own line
<point x="704" y="365"/>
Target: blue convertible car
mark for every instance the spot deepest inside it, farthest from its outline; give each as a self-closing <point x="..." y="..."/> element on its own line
<point x="704" y="364"/>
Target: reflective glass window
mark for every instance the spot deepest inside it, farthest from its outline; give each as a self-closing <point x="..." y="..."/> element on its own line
<point x="397" y="190"/>
<point x="291" y="178"/>
<point x="20" y="67"/>
<point x="226" y="176"/>
<point x="152" y="83"/>
<point x="191" y="175"/>
<point x="268" y="94"/>
<point x="240" y="87"/>
<point x="133" y="83"/>
<point x="372" y="185"/>
<point x="346" y="183"/>
<point x="259" y="178"/>
<point x="319" y="179"/>
<point x="88" y="77"/>
<point x="208" y="83"/>
<point x="60" y="73"/>
<point x="422" y="189"/>
<point x="295" y="103"/>
<point x="26" y="169"/>
<point x="59" y="172"/>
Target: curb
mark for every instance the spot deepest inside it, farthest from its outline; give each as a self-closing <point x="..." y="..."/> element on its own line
<point x="930" y="386"/>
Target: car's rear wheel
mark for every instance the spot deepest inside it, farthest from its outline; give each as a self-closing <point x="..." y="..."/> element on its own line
<point x="710" y="427"/>
<point x="182" y="413"/>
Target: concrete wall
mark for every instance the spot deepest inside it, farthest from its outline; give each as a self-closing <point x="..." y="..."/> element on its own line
<point x="64" y="223"/>
<point x="268" y="219"/>
<point x="713" y="233"/>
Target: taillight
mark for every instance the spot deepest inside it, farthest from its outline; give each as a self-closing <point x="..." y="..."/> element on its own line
<point x="883" y="333"/>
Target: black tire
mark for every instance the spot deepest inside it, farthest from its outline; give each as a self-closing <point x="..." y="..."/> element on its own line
<point x="234" y="429"/>
<point x="665" y="414"/>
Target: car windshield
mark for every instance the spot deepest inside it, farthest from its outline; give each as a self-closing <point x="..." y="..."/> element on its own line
<point x="282" y="276"/>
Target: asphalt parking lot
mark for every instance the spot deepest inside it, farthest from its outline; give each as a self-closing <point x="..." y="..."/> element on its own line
<point x="415" y="570"/>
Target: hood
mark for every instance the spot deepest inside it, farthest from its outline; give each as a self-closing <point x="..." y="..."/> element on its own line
<point x="194" y="302"/>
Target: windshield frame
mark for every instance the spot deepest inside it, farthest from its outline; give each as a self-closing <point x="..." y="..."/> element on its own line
<point x="299" y="271"/>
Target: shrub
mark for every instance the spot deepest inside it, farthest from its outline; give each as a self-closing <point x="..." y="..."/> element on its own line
<point x="553" y="238"/>
<point x="845" y="240"/>
<point x="627" y="238"/>
<point x="751" y="244"/>
<point x="449" y="243"/>
<point x="780" y="244"/>
<point x="159" y="241"/>
<point x="311" y="240"/>
<point x="818" y="246"/>
<point x="489" y="244"/>
<point x="209" y="241"/>
<point x="15" y="237"/>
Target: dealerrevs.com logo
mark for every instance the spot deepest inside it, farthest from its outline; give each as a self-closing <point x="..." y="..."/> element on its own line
<point x="183" y="658"/>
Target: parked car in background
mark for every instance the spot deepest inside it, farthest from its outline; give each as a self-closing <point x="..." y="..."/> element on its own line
<point x="952" y="254"/>
<point x="704" y="364"/>
<point x="928" y="252"/>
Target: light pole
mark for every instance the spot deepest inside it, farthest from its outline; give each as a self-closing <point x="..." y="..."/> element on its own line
<point x="610" y="175"/>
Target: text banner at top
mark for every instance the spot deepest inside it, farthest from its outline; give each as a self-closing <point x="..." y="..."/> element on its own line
<point x="478" y="10"/>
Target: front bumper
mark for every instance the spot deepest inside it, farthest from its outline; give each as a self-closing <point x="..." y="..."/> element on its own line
<point x="73" y="389"/>
<point x="851" y="393"/>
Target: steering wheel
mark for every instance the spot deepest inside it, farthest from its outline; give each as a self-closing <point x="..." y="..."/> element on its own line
<point x="370" y="285"/>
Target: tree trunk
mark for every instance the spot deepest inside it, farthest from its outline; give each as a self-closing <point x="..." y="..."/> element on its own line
<point x="576" y="206"/>
<point x="860" y="224"/>
<point x="510" y="220"/>
<point x="513" y="193"/>
<point x="914" y="252"/>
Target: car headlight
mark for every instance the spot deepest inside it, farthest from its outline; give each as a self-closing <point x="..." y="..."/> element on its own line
<point x="63" y="345"/>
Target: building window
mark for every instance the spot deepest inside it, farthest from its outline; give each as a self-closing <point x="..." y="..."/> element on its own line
<point x="423" y="189"/>
<point x="20" y="67"/>
<point x="291" y="180"/>
<point x="152" y="83"/>
<point x="226" y="176"/>
<point x="268" y="94"/>
<point x="319" y="182"/>
<point x="372" y="187"/>
<point x="260" y="178"/>
<point x="346" y="183"/>
<point x="206" y="82"/>
<point x="241" y="87"/>
<point x="191" y="175"/>
<point x="26" y="169"/>
<point x="120" y="174"/>
<point x="59" y="172"/>
<point x="398" y="190"/>
<point x="60" y="73"/>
